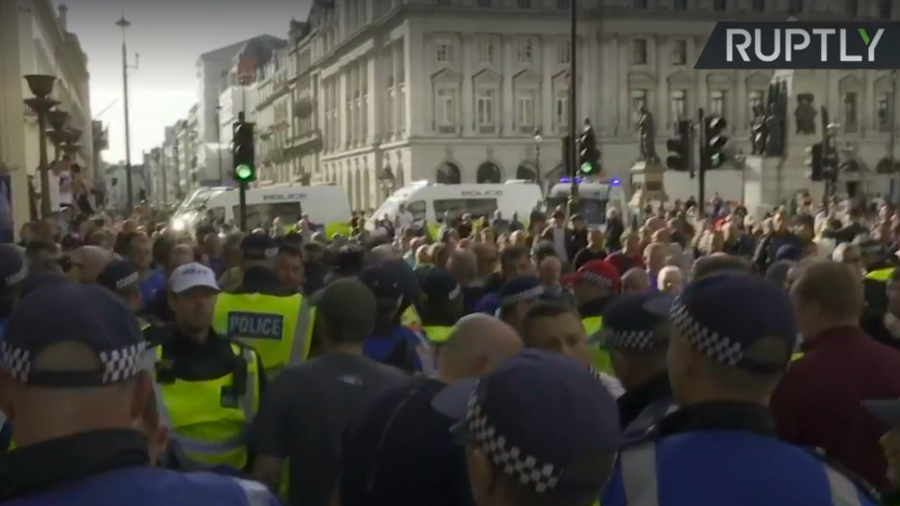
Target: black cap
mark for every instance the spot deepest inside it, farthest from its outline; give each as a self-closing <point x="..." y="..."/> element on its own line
<point x="439" y="287"/>
<point x="38" y="280"/>
<point x="84" y="314"/>
<point x="13" y="270"/>
<point x="383" y="282"/>
<point x="536" y="416"/>
<point x="627" y="324"/>
<point x="259" y="247"/>
<point x="118" y="275"/>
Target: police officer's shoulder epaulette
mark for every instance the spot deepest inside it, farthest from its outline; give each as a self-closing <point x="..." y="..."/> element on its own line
<point x="863" y="485"/>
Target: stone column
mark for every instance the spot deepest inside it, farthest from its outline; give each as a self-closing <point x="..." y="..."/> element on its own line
<point x="15" y="26"/>
<point x="397" y="62"/>
<point x="620" y="45"/>
<point x="376" y="95"/>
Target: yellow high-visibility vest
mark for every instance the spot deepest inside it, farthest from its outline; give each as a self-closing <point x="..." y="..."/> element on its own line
<point x="210" y="425"/>
<point x="278" y="328"/>
<point x="438" y="334"/>
<point x="599" y="357"/>
<point x="881" y="274"/>
<point x="410" y="319"/>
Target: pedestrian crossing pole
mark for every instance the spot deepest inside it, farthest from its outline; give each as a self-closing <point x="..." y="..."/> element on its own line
<point x="573" y="106"/>
<point x="702" y="163"/>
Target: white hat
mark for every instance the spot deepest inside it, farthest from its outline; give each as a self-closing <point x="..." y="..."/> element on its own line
<point x="192" y="275"/>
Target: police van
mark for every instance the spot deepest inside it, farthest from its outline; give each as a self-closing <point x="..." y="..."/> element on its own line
<point x="430" y="202"/>
<point x="326" y="205"/>
<point x="595" y="199"/>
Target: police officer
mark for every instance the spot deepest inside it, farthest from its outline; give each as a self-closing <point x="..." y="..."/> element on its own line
<point x="123" y="279"/>
<point x="596" y="284"/>
<point x="13" y="272"/>
<point x="75" y="385"/>
<point x="262" y="313"/>
<point x="720" y="447"/>
<point x="637" y="340"/>
<point x="440" y="304"/>
<point x="391" y="342"/>
<point x="207" y="386"/>
<point x="516" y="297"/>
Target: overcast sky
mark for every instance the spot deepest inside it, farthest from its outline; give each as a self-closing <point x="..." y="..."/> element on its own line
<point x="169" y="35"/>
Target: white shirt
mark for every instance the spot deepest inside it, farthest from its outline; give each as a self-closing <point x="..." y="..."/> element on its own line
<point x="404" y="219"/>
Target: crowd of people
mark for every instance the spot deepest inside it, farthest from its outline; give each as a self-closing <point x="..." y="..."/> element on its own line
<point x="680" y="356"/>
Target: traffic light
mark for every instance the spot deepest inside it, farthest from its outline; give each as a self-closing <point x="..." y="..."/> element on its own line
<point x="679" y="147"/>
<point x="588" y="154"/>
<point x="244" y="152"/>
<point x="714" y="127"/>
<point x="816" y="161"/>
<point x="568" y="165"/>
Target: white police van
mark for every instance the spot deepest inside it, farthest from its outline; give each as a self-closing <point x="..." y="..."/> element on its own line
<point x="430" y="202"/>
<point x="595" y="198"/>
<point x="325" y="204"/>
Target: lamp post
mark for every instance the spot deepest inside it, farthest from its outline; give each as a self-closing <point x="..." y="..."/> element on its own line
<point x="538" y="138"/>
<point x="219" y="143"/>
<point x="57" y="118"/>
<point x="124" y="24"/>
<point x="894" y="77"/>
<point x="41" y="87"/>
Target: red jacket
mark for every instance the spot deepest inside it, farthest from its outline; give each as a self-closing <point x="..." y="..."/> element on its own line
<point x="818" y="403"/>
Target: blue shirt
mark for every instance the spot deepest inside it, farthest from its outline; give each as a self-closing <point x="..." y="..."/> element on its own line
<point x="380" y="347"/>
<point x="154" y="282"/>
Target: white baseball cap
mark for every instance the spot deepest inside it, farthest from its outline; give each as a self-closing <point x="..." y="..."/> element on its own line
<point x="192" y="275"/>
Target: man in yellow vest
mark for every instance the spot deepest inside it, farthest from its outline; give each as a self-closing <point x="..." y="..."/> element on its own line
<point x="441" y="305"/>
<point x="207" y="386"/>
<point x="596" y="284"/>
<point x="264" y="314"/>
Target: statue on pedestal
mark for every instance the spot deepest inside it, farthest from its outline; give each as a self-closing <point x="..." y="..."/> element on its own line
<point x="759" y="127"/>
<point x="647" y="128"/>
<point x="805" y="114"/>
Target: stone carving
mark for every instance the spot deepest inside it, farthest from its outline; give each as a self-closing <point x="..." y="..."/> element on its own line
<point x="805" y="114"/>
<point x="647" y="130"/>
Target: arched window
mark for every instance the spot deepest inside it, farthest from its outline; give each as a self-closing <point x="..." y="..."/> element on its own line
<point x="448" y="173"/>
<point x="488" y="173"/>
<point x="526" y="172"/>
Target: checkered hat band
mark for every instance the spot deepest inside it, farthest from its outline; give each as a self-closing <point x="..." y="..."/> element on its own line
<point x="629" y="339"/>
<point x="118" y="365"/>
<point x="530" y="294"/>
<point x="127" y="281"/>
<point x="597" y="279"/>
<point x="16" y="277"/>
<point x="527" y="470"/>
<point x="713" y="344"/>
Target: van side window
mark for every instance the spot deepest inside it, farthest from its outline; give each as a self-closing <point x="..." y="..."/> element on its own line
<point x="262" y="215"/>
<point x="417" y="209"/>
<point x="478" y="208"/>
<point x="218" y="214"/>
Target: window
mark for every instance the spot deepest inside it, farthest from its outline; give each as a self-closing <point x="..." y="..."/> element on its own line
<point x="884" y="9"/>
<point x="484" y="3"/>
<point x="525" y="111"/>
<point x="638" y="100"/>
<point x="484" y="110"/>
<point x="679" y="52"/>
<point x="677" y="104"/>
<point x="262" y="215"/>
<point x="851" y="115"/>
<point x="524" y="4"/>
<point x="755" y="98"/>
<point x="485" y="51"/>
<point x="884" y="113"/>
<point x="640" y="4"/>
<point x="639" y="52"/>
<point x="525" y="50"/>
<point x="851" y="7"/>
<point x="717" y="102"/>
<point x="680" y="5"/>
<point x="561" y="109"/>
<point x="796" y="7"/>
<point x="563" y="52"/>
<point x="442" y="52"/>
<point x="417" y="209"/>
<point x="456" y="208"/>
<point x="720" y="5"/>
<point x="445" y="110"/>
<point x="562" y="5"/>
<point x="758" y="6"/>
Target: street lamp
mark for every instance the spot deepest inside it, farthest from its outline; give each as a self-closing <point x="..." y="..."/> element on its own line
<point x="219" y="143"/>
<point x="538" y="138"/>
<point x="41" y="87"/>
<point x="124" y="24"/>
<point x="57" y="118"/>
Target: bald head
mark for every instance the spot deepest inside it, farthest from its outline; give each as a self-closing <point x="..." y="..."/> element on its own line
<point x="181" y="254"/>
<point x="635" y="281"/>
<point x="476" y="346"/>
<point x="89" y="261"/>
<point x="381" y="255"/>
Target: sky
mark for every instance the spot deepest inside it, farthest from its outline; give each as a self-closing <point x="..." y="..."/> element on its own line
<point x="169" y="36"/>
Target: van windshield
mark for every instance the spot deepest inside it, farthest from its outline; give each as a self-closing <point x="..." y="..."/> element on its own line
<point x="390" y="208"/>
<point x="593" y="210"/>
<point x="197" y="200"/>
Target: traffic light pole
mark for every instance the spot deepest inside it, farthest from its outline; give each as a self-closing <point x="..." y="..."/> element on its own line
<point x="701" y="166"/>
<point x="826" y="162"/>
<point x="573" y="106"/>
<point x="242" y="202"/>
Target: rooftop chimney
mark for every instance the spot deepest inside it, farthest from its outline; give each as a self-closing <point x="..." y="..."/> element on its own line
<point x="62" y="18"/>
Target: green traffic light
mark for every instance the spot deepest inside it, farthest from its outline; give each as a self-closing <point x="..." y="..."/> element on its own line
<point x="243" y="172"/>
<point x="587" y="168"/>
